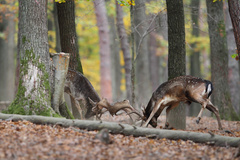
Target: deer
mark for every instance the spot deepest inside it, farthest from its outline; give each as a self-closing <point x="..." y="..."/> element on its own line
<point x="80" y="90"/>
<point x="185" y="89"/>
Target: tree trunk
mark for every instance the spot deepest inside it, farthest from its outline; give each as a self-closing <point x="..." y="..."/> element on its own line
<point x="176" y="56"/>
<point x="127" y="130"/>
<point x="195" y="55"/>
<point x="68" y="34"/>
<point x="69" y="42"/>
<point x="233" y="67"/>
<point x="125" y="49"/>
<point x="57" y="32"/>
<point x="234" y="10"/>
<point x="7" y="50"/>
<point x="143" y="84"/>
<point x="219" y="60"/>
<point x="33" y="96"/>
<point x="104" y="41"/>
<point x="115" y="61"/>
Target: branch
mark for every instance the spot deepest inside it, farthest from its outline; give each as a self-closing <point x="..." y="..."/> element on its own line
<point x="127" y="130"/>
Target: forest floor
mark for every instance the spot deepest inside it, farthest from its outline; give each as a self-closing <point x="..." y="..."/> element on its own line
<point x="25" y="140"/>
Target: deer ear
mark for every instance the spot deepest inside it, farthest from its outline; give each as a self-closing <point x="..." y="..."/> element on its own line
<point x="92" y="102"/>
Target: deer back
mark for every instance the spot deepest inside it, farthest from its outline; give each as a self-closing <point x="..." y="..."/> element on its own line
<point x="180" y="89"/>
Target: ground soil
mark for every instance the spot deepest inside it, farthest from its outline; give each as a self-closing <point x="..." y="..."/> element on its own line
<point x="25" y="140"/>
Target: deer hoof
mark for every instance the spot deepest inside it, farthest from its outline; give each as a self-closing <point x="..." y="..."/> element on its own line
<point x="198" y="120"/>
<point x="166" y="125"/>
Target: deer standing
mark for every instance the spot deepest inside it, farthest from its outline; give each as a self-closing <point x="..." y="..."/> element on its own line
<point x="180" y="89"/>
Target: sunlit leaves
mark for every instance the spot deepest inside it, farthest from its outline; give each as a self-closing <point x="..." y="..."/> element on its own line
<point x="235" y="56"/>
<point x="126" y="3"/>
<point x="60" y="1"/>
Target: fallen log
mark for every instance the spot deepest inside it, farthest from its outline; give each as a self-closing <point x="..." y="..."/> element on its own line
<point x="125" y="129"/>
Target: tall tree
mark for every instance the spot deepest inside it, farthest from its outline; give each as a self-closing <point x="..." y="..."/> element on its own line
<point x="143" y="84"/>
<point x="115" y="59"/>
<point x="219" y="59"/>
<point x="104" y="41"/>
<point x="234" y="10"/>
<point x="125" y="49"/>
<point x="7" y="45"/>
<point x="195" y="55"/>
<point x="68" y="34"/>
<point x="233" y="65"/>
<point x="33" y="96"/>
<point x="69" y="43"/>
<point x="176" y="55"/>
<point x="56" y="26"/>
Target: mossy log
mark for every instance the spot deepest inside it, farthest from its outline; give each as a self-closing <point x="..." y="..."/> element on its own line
<point x="125" y="129"/>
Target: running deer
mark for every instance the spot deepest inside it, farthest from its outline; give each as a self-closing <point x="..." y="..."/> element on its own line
<point x="180" y="89"/>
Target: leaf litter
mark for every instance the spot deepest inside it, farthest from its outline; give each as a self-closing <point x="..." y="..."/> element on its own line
<point x="24" y="140"/>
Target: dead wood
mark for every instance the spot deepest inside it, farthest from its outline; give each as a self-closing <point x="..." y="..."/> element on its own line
<point x="127" y="130"/>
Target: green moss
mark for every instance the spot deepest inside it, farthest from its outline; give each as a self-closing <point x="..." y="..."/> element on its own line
<point x="26" y="105"/>
<point x="64" y="111"/>
<point x="24" y="39"/>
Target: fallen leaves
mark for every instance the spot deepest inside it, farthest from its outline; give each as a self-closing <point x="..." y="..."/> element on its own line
<point x="25" y="140"/>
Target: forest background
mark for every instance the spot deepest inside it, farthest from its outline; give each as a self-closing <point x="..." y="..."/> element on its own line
<point x="156" y="51"/>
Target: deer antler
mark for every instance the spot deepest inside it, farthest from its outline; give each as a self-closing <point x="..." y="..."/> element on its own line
<point x="113" y="109"/>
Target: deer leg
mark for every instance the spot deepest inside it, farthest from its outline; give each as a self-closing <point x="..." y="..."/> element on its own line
<point x="157" y="106"/>
<point x="167" y="112"/>
<point x="200" y="113"/>
<point x="213" y="109"/>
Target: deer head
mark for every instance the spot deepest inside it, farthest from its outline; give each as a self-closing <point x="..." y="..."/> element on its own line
<point x="181" y="89"/>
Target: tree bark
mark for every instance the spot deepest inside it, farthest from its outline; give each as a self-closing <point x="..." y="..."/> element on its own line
<point x="234" y="10"/>
<point x="127" y="130"/>
<point x="195" y="55"/>
<point x="69" y="41"/>
<point x="57" y="32"/>
<point x="68" y="34"/>
<point x="233" y="65"/>
<point x="176" y="56"/>
<point x="104" y="42"/>
<point x="219" y="60"/>
<point x="33" y="96"/>
<point x="115" y="60"/>
<point x="125" y="49"/>
<point x="7" y="51"/>
<point x="60" y="61"/>
<point x="143" y="84"/>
